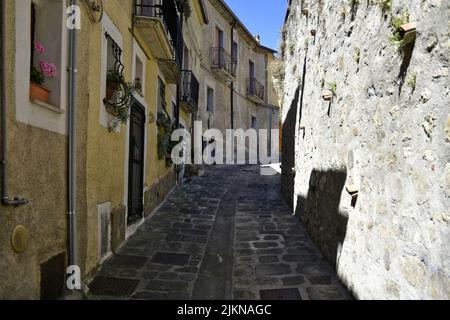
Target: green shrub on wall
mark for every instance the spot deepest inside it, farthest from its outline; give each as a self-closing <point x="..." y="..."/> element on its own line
<point x="165" y="130"/>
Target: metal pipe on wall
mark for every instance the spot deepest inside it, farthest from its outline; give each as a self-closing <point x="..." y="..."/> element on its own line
<point x="232" y="83"/>
<point x="72" y="156"/>
<point x="6" y="201"/>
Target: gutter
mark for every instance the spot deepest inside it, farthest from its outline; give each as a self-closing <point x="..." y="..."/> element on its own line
<point x="6" y="201"/>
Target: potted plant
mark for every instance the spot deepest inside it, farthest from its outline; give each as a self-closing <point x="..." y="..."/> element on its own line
<point x="113" y="79"/>
<point x="39" y="74"/>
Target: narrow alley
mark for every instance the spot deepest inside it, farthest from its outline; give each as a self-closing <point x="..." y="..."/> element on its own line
<point x="113" y="112"/>
<point x="225" y="235"/>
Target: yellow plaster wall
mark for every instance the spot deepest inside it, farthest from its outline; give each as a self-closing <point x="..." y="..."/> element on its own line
<point x="37" y="172"/>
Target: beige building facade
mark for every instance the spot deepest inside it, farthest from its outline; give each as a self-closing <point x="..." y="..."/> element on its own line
<point x="236" y="89"/>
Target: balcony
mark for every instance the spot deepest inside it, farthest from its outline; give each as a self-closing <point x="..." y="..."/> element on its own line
<point x="223" y="64"/>
<point x="255" y="90"/>
<point x="189" y="91"/>
<point x="158" y="24"/>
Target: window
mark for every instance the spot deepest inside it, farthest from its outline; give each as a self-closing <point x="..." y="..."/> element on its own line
<point x="46" y="57"/>
<point x="112" y="70"/>
<point x="114" y="67"/>
<point x="210" y="100"/>
<point x="251" y="69"/>
<point x="219" y="38"/>
<point x="139" y="76"/>
<point x="254" y="122"/>
<point x="186" y="58"/>
<point x="235" y="52"/>
<point x="251" y="75"/>
<point x="139" y="70"/>
<point x="161" y="95"/>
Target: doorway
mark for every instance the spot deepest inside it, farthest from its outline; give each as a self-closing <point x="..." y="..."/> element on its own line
<point x="136" y="163"/>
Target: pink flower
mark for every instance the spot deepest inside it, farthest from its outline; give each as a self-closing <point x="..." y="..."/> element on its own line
<point x="48" y="69"/>
<point x="39" y="47"/>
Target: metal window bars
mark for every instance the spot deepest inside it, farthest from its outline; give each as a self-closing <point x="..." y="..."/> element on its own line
<point x="124" y="88"/>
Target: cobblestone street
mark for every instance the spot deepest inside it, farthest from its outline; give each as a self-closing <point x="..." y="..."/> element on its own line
<point x="225" y="235"/>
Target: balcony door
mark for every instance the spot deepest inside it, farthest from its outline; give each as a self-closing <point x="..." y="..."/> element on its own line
<point x="251" y="69"/>
<point x="220" y="45"/>
<point x="219" y="38"/>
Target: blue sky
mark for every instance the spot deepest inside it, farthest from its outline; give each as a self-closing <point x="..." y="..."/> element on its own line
<point x="263" y="17"/>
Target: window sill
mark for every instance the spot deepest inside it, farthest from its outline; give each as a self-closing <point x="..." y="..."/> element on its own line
<point x="47" y="106"/>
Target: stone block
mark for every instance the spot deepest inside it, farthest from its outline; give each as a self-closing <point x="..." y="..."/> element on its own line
<point x="294" y="281"/>
<point x="272" y="269"/>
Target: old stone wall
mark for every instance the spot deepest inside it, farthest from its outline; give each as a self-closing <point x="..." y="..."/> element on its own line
<point x="384" y="135"/>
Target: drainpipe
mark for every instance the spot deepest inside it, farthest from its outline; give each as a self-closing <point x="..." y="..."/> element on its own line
<point x="72" y="186"/>
<point x="181" y="62"/>
<point x="232" y="83"/>
<point x="6" y="201"/>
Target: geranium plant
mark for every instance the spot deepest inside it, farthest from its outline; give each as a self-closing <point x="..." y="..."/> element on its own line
<point x="45" y="70"/>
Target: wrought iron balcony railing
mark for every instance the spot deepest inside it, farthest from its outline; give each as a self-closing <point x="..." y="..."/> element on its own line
<point x="255" y="88"/>
<point x="222" y="59"/>
<point x="166" y="11"/>
<point x="190" y="88"/>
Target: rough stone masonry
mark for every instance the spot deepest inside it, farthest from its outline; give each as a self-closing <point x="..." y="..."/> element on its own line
<point x="366" y="140"/>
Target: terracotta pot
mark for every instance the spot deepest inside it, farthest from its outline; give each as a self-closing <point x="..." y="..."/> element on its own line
<point x="38" y="92"/>
<point x="111" y="88"/>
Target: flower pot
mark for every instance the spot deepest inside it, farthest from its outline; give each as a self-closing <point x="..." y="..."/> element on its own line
<point x="38" y="92"/>
<point x="112" y="110"/>
<point x="111" y="89"/>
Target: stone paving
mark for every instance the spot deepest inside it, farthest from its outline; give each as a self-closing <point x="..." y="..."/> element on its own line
<point x="225" y="235"/>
